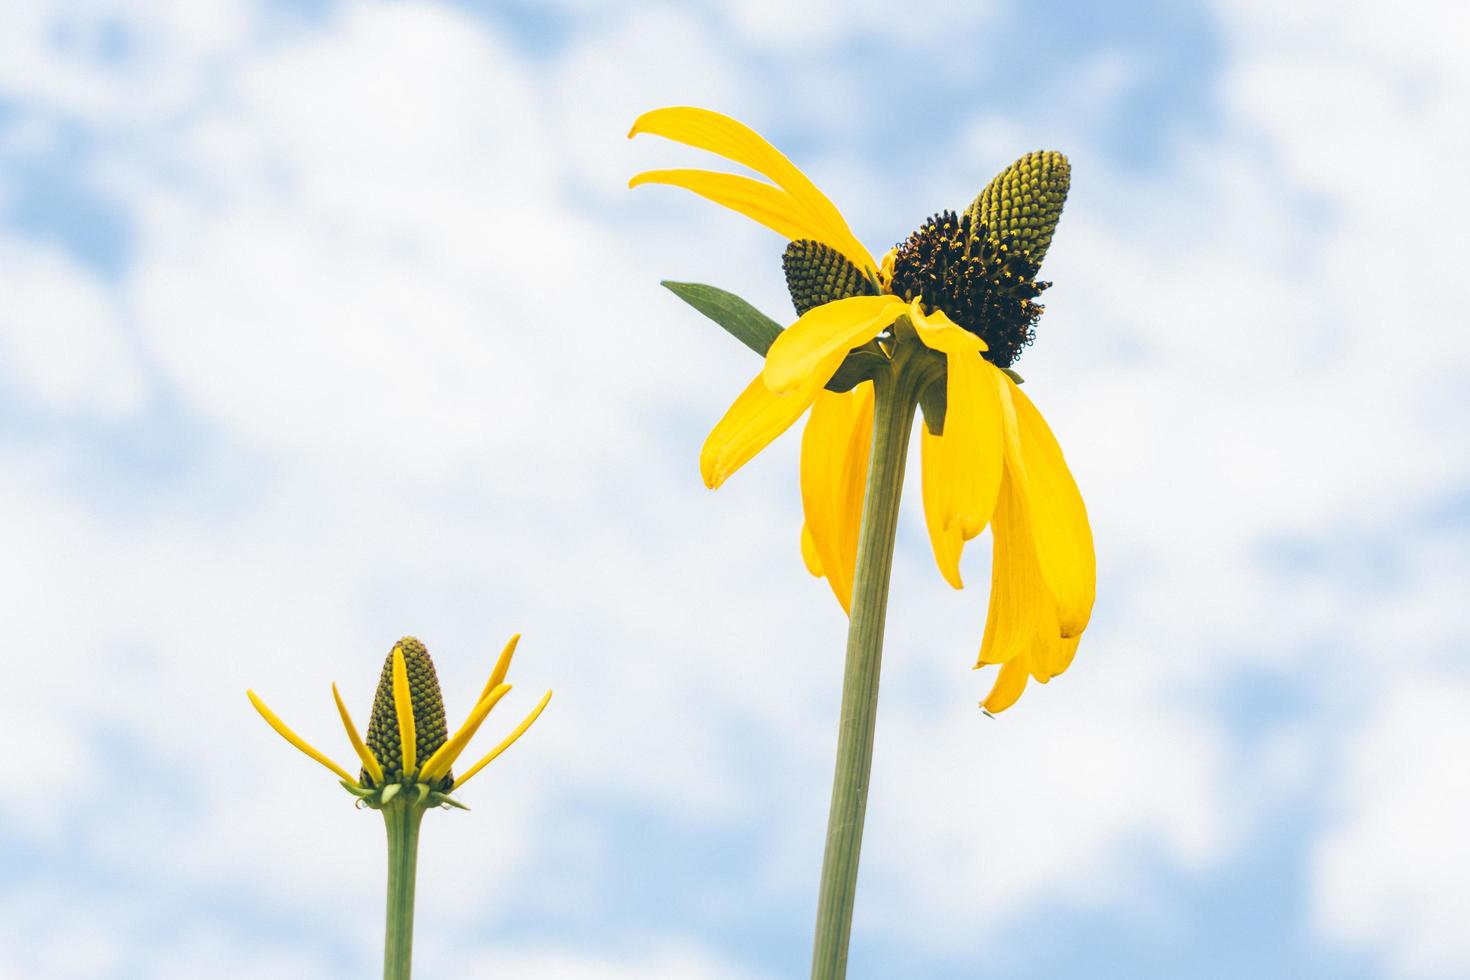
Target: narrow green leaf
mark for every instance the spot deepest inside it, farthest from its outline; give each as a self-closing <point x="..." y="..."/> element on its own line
<point x="743" y="322"/>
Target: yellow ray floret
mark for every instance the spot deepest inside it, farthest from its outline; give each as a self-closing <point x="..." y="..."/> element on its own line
<point x="502" y="667"/>
<point x="369" y="761"/>
<point x="794" y="208"/>
<point x="440" y="762"/>
<point x="403" y="705"/>
<point x="506" y="743"/>
<point x="757" y="417"/>
<point x="944" y="535"/>
<point x="1057" y="516"/>
<point x="283" y="730"/>
<point x="834" y="466"/>
<point x="823" y="331"/>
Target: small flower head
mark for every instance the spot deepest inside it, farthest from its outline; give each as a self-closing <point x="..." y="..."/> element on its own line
<point x="408" y="747"/>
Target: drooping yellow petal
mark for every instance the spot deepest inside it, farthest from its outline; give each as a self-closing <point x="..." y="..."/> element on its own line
<point x="283" y="730"/>
<point x="506" y="743"/>
<point x="719" y="134"/>
<point x="443" y="759"/>
<point x="974" y="441"/>
<point x="759" y="201"/>
<point x="1021" y="606"/>
<point x="944" y="535"/>
<point x="939" y="332"/>
<point x="809" y="552"/>
<point x="369" y="761"/>
<point x="403" y="706"/>
<point x="502" y="667"/>
<point x="1009" y="684"/>
<point x="758" y="416"/>
<point x="1052" y="656"/>
<point x="822" y="331"/>
<point x="834" y="465"/>
<point x="1057" y="516"/>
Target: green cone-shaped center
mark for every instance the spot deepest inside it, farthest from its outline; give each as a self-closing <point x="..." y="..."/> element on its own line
<point x="428" y="714"/>
<point x="817" y="274"/>
<point x="1023" y="203"/>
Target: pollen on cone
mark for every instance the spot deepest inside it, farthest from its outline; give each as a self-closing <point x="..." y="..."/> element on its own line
<point x="428" y="713"/>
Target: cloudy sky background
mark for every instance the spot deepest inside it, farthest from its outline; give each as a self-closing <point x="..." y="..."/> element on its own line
<point x="325" y="323"/>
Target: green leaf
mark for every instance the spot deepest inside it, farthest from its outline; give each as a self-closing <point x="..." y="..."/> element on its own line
<point x="1014" y="376"/>
<point x="743" y="322"/>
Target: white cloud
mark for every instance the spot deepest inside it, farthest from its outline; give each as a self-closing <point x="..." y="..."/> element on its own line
<point x="63" y="348"/>
<point x="1392" y="870"/>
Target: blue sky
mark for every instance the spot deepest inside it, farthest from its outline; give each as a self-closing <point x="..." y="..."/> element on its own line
<point x="325" y="323"/>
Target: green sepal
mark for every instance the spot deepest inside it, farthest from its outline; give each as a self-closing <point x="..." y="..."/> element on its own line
<point x="421" y="793"/>
<point x="361" y="792"/>
<point x="437" y="798"/>
<point x="1014" y="376"/>
<point x="933" y="400"/>
<point x="859" y="366"/>
<point x="389" y="791"/>
<point x="741" y="320"/>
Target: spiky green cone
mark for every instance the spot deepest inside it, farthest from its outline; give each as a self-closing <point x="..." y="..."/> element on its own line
<point x="817" y="274"/>
<point x="1024" y="202"/>
<point x="428" y="715"/>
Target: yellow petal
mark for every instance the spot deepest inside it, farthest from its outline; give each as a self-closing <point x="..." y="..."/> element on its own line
<point x="1021" y="606"/>
<point x="403" y="706"/>
<point x="834" y="466"/>
<point x="440" y="762"/>
<point x="831" y="328"/>
<point x="939" y="332"/>
<point x="719" y="134"/>
<point x="809" y="552"/>
<point x="502" y="667"/>
<point x="759" y="201"/>
<point x="1009" y="684"/>
<point x="506" y="743"/>
<point x="758" y="416"/>
<point x="369" y="761"/>
<point x="1052" y="655"/>
<point x="943" y="535"/>
<point x="307" y="749"/>
<point x="974" y="441"/>
<point x="1057" y="516"/>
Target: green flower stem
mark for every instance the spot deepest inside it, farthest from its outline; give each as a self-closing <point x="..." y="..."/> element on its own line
<point x="896" y="394"/>
<point x="402" y="818"/>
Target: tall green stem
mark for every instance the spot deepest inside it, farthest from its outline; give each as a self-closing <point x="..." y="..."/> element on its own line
<point x="402" y="818"/>
<point x="895" y="397"/>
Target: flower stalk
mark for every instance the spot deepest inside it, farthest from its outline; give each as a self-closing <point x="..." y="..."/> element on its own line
<point x="896" y="396"/>
<point x="402" y="817"/>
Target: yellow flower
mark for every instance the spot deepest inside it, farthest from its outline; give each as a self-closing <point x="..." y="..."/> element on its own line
<point x="955" y="300"/>
<point x="407" y="745"/>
